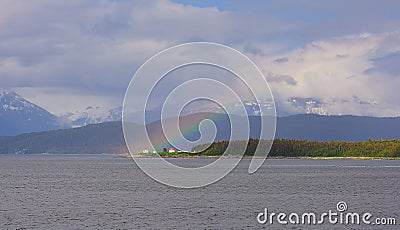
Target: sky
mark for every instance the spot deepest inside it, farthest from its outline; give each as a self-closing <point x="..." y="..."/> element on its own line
<point x="326" y="57"/>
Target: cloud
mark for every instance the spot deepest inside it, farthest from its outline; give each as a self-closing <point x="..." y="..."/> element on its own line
<point x="95" y="47"/>
<point x="281" y="60"/>
<point x="286" y="79"/>
<point x="386" y="65"/>
<point x="83" y="53"/>
<point x="354" y="74"/>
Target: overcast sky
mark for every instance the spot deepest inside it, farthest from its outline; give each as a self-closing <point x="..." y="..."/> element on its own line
<point x="342" y="55"/>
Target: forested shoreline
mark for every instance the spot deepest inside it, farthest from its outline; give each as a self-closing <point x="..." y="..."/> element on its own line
<point x="305" y="148"/>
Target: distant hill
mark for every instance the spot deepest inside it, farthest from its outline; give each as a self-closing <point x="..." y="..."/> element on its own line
<point x="96" y="138"/>
<point x="341" y="128"/>
<point x="304" y="126"/>
<point x="108" y="137"/>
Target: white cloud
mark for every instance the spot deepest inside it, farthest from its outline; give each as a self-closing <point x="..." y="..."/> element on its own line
<point x="335" y="72"/>
<point x="95" y="47"/>
<point x="59" y="53"/>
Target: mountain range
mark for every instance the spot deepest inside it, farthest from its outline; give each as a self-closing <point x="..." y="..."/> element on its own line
<point x="92" y="115"/>
<point x="28" y="128"/>
<point x="18" y="115"/>
<point x="108" y="137"/>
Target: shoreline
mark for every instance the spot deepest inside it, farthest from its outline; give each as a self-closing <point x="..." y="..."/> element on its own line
<point x="274" y="157"/>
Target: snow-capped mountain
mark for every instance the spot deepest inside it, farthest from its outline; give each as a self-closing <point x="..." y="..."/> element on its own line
<point x="92" y="115"/>
<point x="308" y="106"/>
<point x="18" y="115"/>
<point x="252" y="108"/>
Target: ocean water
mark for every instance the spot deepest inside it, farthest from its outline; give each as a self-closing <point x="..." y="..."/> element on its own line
<point x="103" y="192"/>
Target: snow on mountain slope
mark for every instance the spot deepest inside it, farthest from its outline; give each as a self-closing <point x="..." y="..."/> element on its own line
<point x="308" y="106"/>
<point x="11" y="101"/>
<point x="18" y="115"/>
<point x="92" y="115"/>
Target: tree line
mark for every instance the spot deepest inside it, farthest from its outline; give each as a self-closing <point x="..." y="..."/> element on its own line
<point x="304" y="148"/>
